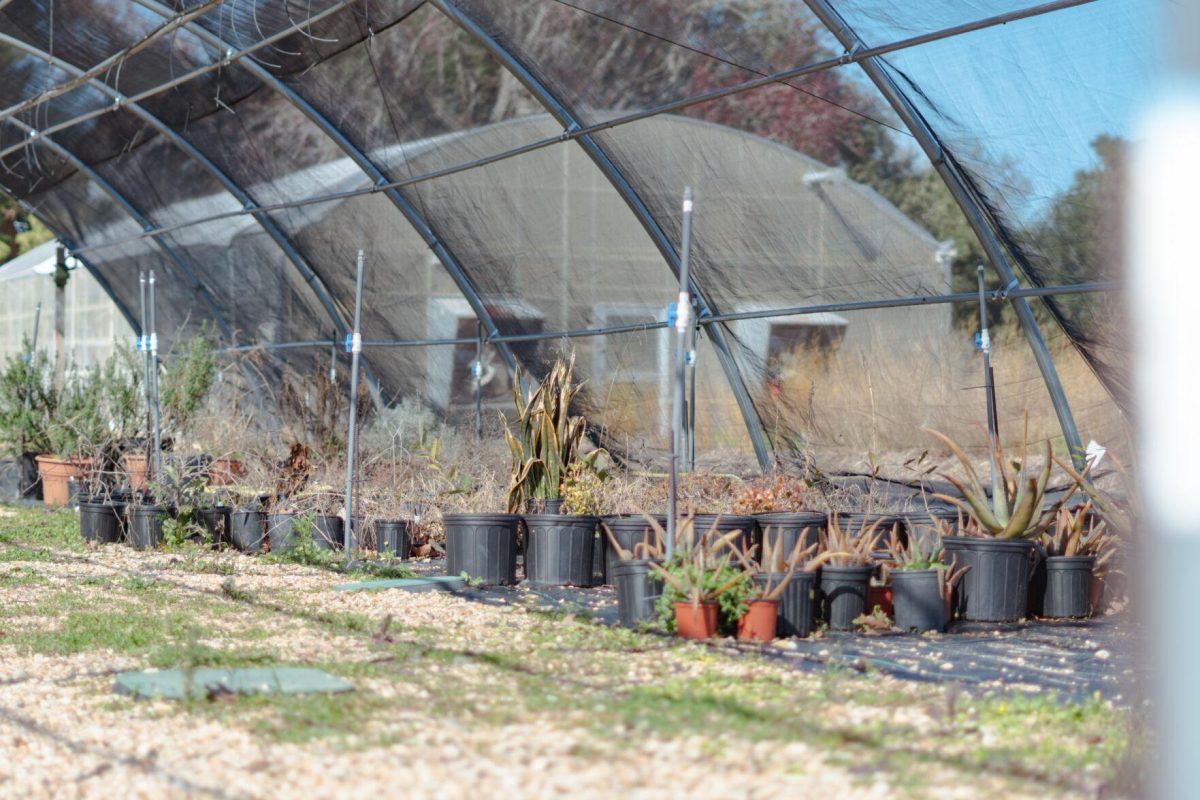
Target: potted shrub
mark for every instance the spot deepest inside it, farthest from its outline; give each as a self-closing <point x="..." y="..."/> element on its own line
<point x="999" y="545"/>
<point x="703" y="591"/>
<point x="846" y="576"/>
<point x="921" y="582"/>
<point x="28" y="402"/>
<point x="638" y="587"/>
<point x="1073" y="549"/>
<point x="559" y="548"/>
<point x="248" y="523"/>
<point x="781" y="507"/>
<point x="146" y="520"/>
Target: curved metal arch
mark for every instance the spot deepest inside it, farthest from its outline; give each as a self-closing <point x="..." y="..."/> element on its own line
<point x="982" y="221"/>
<point x="138" y="217"/>
<point x="444" y="255"/>
<point x="641" y="211"/>
<point x="267" y="224"/>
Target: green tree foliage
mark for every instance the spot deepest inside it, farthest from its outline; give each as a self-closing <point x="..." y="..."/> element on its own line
<point x="186" y="381"/>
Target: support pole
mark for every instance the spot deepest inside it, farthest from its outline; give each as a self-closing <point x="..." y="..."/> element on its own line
<point x="989" y="388"/>
<point x="477" y="378"/>
<point x="143" y="346"/>
<point x="333" y="360"/>
<point x="691" y="401"/>
<point x="355" y="348"/>
<point x="683" y="308"/>
<point x="30" y="360"/>
<point x="152" y="361"/>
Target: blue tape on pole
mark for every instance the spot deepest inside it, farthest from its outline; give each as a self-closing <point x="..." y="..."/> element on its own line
<point x="670" y="315"/>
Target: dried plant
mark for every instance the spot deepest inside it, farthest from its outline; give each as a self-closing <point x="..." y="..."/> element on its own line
<point x="777" y="494"/>
<point x="846" y="547"/>
<point x="1077" y="533"/>
<point x="650" y="548"/>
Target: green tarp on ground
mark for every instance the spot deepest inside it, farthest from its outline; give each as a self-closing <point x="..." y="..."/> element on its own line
<point x="174" y="684"/>
<point x="431" y="583"/>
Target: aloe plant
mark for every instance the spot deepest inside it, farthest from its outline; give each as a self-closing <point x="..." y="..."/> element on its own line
<point x="547" y="440"/>
<point x="1016" y="508"/>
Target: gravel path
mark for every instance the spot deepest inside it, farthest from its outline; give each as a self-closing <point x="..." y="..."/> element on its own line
<point x="455" y="697"/>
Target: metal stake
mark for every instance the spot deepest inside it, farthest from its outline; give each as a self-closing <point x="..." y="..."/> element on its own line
<point x="985" y="345"/>
<point x="354" y="345"/>
<point x="153" y="365"/>
<point x="691" y="402"/>
<point x="682" y="324"/>
<point x="477" y="375"/>
<point x="30" y="360"/>
<point x="333" y="359"/>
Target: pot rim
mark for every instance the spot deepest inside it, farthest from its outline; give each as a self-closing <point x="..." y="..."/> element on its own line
<point x="792" y="516"/>
<point x="553" y="517"/>
<point x="1069" y="561"/>
<point x="993" y="543"/>
<point x="498" y="517"/>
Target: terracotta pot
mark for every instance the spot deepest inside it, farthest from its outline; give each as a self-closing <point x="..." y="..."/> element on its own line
<point x="137" y="468"/>
<point x="225" y="471"/>
<point x="880" y="596"/>
<point x="1096" y="592"/>
<point x="758" y="623"/>
<point x="55" y="472"/>
<point x="696" y="621"/>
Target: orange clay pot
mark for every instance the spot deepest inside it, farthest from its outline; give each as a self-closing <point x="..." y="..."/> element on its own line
<point x="137" y="469"/>
<point x="758" y="623"/>
<point x="696" y="621"/>
<point x="55" y="472"/>
<point x="225" y="471"/>
<point x="880" y="596"/>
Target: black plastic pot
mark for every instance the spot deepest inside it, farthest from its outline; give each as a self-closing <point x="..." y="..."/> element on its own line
<point x="393" y="536"/>
<point x="215" y="520"/>
<point x="791" y="527"/>
<point x="29" y="477"/>
<point x="724" y="523"/>
<point x="1036" y="602"/>
<point x="535" y="506"/>
<point x="327" y="531"/>
<point x="628" y="530"/>
<point x="854" y="523"/>
<point x="917" y="600"/>
<point x="1069" y="586"/>
<point x="281" y="532"/>
<point x="638" y="589"/>
<point x="146" y="526"/>
<point x="795" y="615"/>
<point x="844" y="595"/>
<point x="921" y="523"/>
<point x="247" y="529"/>
<point x="484" y="546"/>
<point x="996" y="587"/>
<point x="100" y="521"/>
<point x="956" y="556"/>
<point x="599" y="559"/>
<point x="559" y="548"/>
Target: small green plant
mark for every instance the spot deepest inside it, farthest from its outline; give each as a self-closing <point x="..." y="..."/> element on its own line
<point x="583" y="489"/>
<point x="703" y="571"/>
<point x="184" y="530"/>
<point x="186" y="381"/>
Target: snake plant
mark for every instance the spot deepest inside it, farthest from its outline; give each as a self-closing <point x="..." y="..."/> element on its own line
<point x="547" y="440"/>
